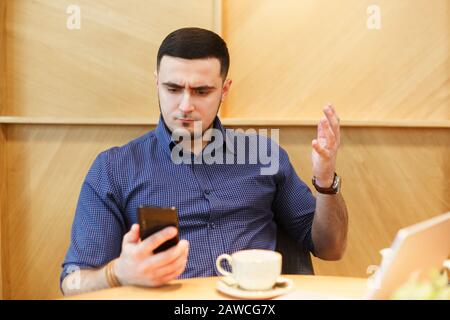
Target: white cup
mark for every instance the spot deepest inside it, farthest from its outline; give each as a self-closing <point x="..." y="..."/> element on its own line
<point x="252" y="269"/>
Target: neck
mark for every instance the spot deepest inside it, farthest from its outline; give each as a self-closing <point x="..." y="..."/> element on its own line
<point x="197" y="144"/>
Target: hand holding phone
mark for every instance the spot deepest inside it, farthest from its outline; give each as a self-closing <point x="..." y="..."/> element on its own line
<point x="154" y="219"/>
<point x="137" y="264"/>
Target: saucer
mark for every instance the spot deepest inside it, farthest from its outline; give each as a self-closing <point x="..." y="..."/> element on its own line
<point x="282" y="286"/>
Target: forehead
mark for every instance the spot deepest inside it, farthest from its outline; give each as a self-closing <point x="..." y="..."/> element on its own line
<point x="195" y="71"/>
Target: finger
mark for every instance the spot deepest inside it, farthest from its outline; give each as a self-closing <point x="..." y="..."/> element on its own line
<point x="324" y="128"/>
<point x="321" y="129"/>
<point x="148" y="245"/>
<point x="133" y="235"/>
<point x="176" y="273"/>
<point x="333" y="120"/>
<point x="171" y="276"/>
<point x="324" y="133"/>
<point x="167" y="257"/>
<point x="331" y="138"/>
<point x="319" y="149"/>
<point x="174" y="267"/>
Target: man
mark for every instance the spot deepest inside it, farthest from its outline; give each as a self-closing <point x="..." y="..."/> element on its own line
<point x="222" y="207"/>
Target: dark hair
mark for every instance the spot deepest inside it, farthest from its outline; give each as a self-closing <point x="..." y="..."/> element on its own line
<point x="195" y="43"/>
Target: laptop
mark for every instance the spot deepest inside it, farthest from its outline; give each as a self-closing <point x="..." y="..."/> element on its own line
<point x="415" y="249"/>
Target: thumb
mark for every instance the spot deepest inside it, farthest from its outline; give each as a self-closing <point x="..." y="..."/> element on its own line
<point x="133" y="235"/>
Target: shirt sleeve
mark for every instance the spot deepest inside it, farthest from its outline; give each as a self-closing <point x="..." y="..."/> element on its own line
<point x="294" y="205"/>
<point x="98" y="225"/>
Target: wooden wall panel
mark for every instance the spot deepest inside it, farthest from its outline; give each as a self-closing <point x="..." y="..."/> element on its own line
<point x="46" y="166"/>
<point x="2" y="56"/>
<point x="2" y="136"/>
<point x="3" y="208"/>
<point x="105" y="69"/>
<point x="289" y="58"/>
<point x="391" y="178"/>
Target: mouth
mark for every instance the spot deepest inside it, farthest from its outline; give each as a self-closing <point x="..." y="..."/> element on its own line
<point x="186" y="120"/>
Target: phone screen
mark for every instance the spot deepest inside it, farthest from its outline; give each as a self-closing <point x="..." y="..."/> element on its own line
<point x="154" y="219"/>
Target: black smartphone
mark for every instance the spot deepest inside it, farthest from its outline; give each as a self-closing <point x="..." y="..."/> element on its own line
<point x="154" y="219"/>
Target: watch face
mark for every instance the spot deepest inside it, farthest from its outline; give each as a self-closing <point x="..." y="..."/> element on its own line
<point x="337" y="184"/>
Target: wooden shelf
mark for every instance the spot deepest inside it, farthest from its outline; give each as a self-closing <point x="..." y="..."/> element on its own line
<point x="344" y="123"/>
<point x="77" y="121"/>
<point x="226" y="121"/>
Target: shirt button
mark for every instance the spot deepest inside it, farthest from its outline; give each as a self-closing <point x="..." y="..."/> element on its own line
<point x="207" y="191"/>
<point x="212" y="225"/>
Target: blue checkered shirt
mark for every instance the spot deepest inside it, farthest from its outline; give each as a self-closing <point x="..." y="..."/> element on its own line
<point x="222" y="208"/>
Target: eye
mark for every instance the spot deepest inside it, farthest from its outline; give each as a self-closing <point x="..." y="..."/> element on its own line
<point x="172" y="90"/>
<point x="202" y="92"/>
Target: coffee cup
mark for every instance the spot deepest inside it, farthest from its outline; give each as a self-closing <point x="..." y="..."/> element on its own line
<point x="254" y="270"/>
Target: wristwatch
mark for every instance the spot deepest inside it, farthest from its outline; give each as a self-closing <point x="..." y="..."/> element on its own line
<point x="335" y="186"/>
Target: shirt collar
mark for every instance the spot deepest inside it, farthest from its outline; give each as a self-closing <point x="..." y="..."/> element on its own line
<point x="164" y="135"/>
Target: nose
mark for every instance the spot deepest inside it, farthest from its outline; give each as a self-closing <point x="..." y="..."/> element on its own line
<point x="186" y="104"/>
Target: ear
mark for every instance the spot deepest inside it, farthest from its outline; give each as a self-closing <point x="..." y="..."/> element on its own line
<point x="226" y="88"/>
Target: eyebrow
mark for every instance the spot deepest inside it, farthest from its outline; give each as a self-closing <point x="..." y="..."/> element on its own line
<point x="177" y="86"/>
